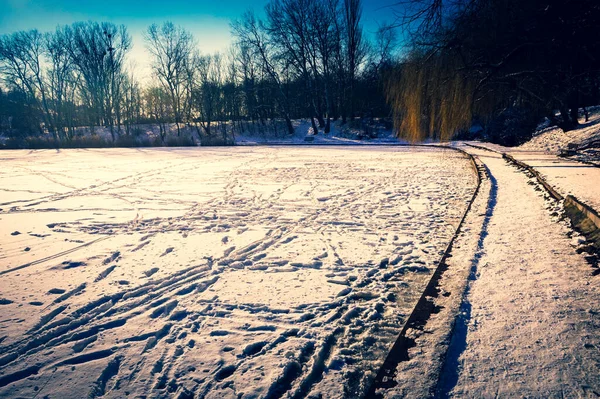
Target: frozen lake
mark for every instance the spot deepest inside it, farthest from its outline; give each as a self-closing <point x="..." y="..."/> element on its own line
<point x="240" y="272"/>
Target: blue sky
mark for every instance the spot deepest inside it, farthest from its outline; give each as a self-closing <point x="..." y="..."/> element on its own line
<point x="208" y="20"/>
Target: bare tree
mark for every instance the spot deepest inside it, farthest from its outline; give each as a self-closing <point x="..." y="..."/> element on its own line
<point x="355" y="49"/>
<point x="382" y="52"/>
<point x="21" y="59"/>
<point x="131" y="100"/>
<point x="61" y="81"/>
<point x="247" y="70"/>
<point x="323" y="32"/>
<point x="98" y="51"/>
<point x="334" y="9"/>
<point x="158" y="106"/>
<point x="171" y="48"/>
<point x="290" y="36"/>
<point x="231" y="89"/>
<point x="252" y="35"/>
<point x="207" y="93"/>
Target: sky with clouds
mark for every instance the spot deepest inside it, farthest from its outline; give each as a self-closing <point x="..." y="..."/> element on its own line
<point x="208" y="20"/>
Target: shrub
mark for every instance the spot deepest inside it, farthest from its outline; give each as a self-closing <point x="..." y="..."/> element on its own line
<point x="513" y="126"/>
<point x="216" y="141"/>
<point x="93" y="141"/>
<point x="137" y="131"/>
<point x="128" y="141"/>
<point x="180" y="141"/>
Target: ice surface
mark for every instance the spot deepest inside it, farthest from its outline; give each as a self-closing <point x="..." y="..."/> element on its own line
<point x="234" y="272"/>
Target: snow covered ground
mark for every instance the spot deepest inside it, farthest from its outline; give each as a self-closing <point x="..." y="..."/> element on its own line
<point x="339" y="135"/>
<point x="576" y="175"/>
<point x="554" y="141"/>
<point x="530" y="315"/>
<point x="239" y="272"/>
<point x="272" y="132"/>
<point x="518" y="313"/>
<point x="567" y="176"/>
<point x="528" y="324"/>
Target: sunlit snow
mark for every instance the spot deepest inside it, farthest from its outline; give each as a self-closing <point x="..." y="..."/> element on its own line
<point x="244" y="272"/>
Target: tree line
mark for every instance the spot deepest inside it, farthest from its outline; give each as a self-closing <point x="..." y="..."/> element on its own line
<point x="304" y="59"/>
<point x="498" y="65"/>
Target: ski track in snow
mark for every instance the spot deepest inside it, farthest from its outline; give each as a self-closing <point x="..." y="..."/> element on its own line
<point x="216" y="273"/>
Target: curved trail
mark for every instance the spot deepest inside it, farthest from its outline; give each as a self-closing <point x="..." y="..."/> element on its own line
<point x="424" y="307"/>
<point x="524" y="318"/>
<point x="532" y="326"/>
<point x="515" y="313"/>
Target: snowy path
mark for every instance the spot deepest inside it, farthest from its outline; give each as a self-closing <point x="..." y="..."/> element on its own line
<point x="532" y="309"/>
<point x="215" y="273"/>
<point x="566" y="175"/>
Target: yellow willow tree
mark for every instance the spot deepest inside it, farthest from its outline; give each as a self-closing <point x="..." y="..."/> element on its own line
<point x="431" y="97"/>
<point x="502" y="63"/>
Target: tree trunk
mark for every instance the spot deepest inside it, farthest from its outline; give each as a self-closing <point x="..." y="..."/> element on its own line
<point x="314" y="125"/>
<point x="321" y="120"/>
<point x="328" y="110"/>
<point x="198" y="132"/>
<point x="566" y="123"/>
<point x="574" y="115"/>
<point x="289" y="125"/>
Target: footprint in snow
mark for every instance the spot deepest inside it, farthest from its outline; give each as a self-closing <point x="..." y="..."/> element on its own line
<point x="225" y="372"/>
<point x="168" y="251"/>
<point x="254" y="348"/>
<point x="150" y="272"/>
<point x="219" y="333"/>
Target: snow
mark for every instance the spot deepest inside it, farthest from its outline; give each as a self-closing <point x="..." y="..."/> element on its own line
<point x="288" y="271"/>
<point x="223" y="272"/>
<point x="533" y="329"/>
<point x="418" y="376"/>
<point x="554" y="139"/>
<point x="339" y="135"/>
<point x="518" y="306"/>
<point x="250" y="133"/>
<point x="577" y="175"/>
<point x="566" y="176"/>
